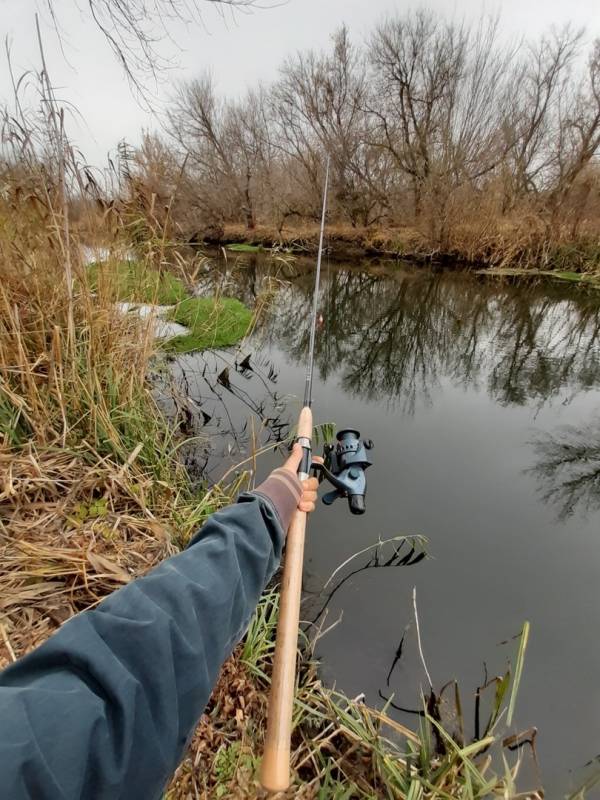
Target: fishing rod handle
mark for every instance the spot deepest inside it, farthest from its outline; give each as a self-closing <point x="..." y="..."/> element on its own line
<point x="275" y="768"/>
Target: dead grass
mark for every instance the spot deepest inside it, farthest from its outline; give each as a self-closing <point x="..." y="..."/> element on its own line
<point x="91" y="493"/>
<point x="522" y="242"/>
<point x="72" y="530"/>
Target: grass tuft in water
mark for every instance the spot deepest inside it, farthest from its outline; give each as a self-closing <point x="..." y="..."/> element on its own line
<point x="212" y="322"/>
<point x="341" y="748"/>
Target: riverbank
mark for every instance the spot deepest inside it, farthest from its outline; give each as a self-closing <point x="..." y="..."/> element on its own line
<point x="518" y="250"/>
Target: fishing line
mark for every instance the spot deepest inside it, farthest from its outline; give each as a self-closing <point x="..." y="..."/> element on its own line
<point x="328" y="310"/>
<point x="315" y="302"/>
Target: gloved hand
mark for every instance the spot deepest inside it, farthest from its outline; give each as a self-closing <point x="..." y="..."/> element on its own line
<point x="309" y="486"/>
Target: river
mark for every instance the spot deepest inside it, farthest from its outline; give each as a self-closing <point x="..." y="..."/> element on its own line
<point x="481" y="398"/>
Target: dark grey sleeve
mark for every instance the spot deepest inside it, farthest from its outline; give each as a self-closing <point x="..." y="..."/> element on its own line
<point x="104" y="708"/>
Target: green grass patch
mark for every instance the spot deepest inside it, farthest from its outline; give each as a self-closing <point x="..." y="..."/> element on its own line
<point x="212" y="323"/>
<point x="243" y="247"/>
<point x="577" y="277"/>
<point x="566" y="275"/>
<point x="136" y="282"/>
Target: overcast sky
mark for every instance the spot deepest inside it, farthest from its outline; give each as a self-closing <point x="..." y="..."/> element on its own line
<point x="239" y="50"/>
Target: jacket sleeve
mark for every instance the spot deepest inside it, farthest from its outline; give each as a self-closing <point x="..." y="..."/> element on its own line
<point x="104" y="709"/>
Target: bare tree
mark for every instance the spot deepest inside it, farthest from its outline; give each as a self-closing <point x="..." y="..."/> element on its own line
<point x="543" y="79"/>
<point x="435" y="125"/>
<point x="135" y="29"/>
<point x="318" y="105"/>
<point x="226" y="144"/>
<point x="554" y="129"/>
<point x="576" y="142"/>
<point x="440" y="91"/>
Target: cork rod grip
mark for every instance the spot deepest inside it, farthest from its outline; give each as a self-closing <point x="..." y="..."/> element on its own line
<point x="275" y="768"/>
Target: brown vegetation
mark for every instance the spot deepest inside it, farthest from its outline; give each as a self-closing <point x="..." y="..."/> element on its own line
<point x="438" y="133"/>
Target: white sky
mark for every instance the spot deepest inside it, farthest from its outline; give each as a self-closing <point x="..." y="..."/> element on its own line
<point x="239" y="51"/>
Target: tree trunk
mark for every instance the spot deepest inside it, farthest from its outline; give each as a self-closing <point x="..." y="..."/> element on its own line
<point x="249" y="207"/>
<point x="417" y="190"/>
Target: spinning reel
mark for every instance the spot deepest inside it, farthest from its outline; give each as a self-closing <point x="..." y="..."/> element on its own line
<point x="344" y="467"/>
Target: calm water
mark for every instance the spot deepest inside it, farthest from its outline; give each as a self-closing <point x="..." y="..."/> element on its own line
<point x="481" y="399"/>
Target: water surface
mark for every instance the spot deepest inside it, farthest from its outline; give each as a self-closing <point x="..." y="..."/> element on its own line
<point x="481" y="399"/>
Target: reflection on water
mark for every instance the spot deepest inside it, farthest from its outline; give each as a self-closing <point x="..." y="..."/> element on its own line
<point x="226" y="405"/>
<point x="568" y="468"/>
<point x="481" y="399"/>
<point x="396" y="334"/>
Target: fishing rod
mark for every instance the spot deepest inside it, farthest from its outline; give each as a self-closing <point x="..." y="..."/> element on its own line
<point x="344" y="467"/>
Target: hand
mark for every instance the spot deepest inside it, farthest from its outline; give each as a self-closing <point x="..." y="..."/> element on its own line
<point x="309" y="486"/>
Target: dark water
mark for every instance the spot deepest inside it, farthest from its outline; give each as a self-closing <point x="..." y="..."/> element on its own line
<point x="481" y="399"/>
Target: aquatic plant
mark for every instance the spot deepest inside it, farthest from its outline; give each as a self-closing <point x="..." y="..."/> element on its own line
<point x="244" y="247"/>
<point x="341" y="747"/>
<point x="218" y="322"/>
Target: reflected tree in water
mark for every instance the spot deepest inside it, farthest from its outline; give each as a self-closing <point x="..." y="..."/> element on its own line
<point x="544" y="343"/>
<point x="568" y="468"/>
<point x="393" y="335"/>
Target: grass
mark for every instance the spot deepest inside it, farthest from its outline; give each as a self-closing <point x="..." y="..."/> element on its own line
<point x="137" y="282"/>
<point x="495" y="243"/>
<point x="95" y="493"/>
<point x="212" y="322"/>
<point x="245" y="247"/>
<point x="590" y="279"/>
<point x="341" y="748"/>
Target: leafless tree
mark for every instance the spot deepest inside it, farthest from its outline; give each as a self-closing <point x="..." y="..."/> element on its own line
<point x="576" y="141"/>
<point x="226" y="143"/>
<point x="135" y="29"/>
<point x="434" y="125"/>
<point x="543" y="79"/>
<point x="318" y="107"/>
<point x="440" y="93"/>
<point x="554" y="128"/>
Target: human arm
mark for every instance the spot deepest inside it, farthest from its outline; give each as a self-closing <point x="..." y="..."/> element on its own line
<point x="105" y="708"/>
